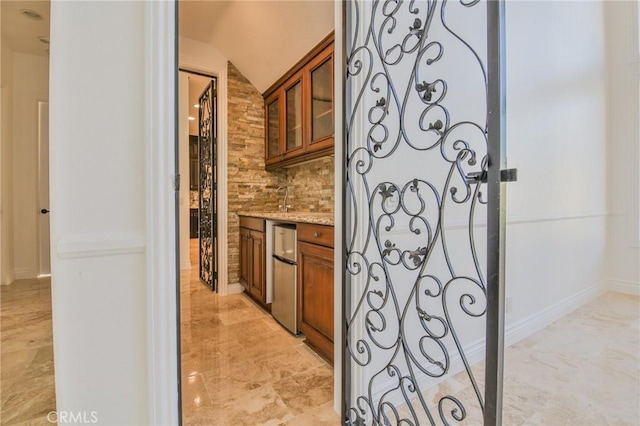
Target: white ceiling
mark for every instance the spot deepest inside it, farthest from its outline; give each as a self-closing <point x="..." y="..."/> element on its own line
<point x="22" y="32"/>
<point x="262" y="38"/>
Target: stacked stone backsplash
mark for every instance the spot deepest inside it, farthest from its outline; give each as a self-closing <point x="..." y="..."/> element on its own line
<point x="250" y="186"/>
<point x="311" y="187"/>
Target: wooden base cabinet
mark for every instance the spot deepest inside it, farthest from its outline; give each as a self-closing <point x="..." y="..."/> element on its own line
<point x="252" y="259"/>
<point x="315" y="287"/>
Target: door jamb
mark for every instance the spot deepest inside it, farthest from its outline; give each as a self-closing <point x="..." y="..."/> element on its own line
<point x="220" y="74"/>
<point x="160" y="47"/>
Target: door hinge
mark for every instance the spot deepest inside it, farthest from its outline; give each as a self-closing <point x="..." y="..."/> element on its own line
<point x="176" y="182"/>
<point x="506" y="175"/>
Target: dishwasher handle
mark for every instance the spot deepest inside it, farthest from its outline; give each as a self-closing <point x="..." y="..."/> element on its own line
<point x="282" y="259"/>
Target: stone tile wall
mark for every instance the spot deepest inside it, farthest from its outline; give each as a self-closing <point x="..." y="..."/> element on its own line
<point x="311" y="187"/>
<point x="250" y="187"/>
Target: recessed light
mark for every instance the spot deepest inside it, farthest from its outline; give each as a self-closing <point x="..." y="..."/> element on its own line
<point x="191" y="118"/>
<point x="43" y="40"/>
<point x="196" y="105"/>
<point x="32" y="14"/>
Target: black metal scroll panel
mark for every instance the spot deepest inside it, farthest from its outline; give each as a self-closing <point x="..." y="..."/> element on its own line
<point x="206" y="242"/>
<point x="395" y="277"/>
<point x="404" y="282"/>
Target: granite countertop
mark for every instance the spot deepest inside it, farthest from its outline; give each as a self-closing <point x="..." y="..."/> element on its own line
<point x="298" y="217"/>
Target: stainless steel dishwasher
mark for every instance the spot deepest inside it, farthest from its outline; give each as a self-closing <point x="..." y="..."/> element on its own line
<point x="283" y="306"/>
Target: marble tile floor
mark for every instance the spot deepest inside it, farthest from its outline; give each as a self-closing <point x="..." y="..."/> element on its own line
<point x="581" y="370"/>
<point x="240" y="367"/>
<point x="27" y="392"/>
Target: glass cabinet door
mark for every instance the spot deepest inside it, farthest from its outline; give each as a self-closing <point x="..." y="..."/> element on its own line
<point x="273" y="129"/>
<point x="294" y="116"/>
<point x="322" y="101"/>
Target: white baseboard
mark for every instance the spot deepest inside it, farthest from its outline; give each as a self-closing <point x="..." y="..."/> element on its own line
<point x="622" y="286"/>
<point x="25" y="274"/>
<point x="235" y="288"/>
<point x="8" y="278"/>
<point x="526" y="326"/>
<point x="515" y="332"/>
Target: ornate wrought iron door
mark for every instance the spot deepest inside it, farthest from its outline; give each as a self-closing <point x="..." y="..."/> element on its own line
<point x="424" y="213"/>
<point x="207" y="160"/>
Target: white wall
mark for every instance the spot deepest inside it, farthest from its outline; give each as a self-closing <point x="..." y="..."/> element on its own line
<point x="623" y="152"/>
<point x="7" y="274"/>
<point x="31" y="84"/>
<point x="98" y="109"/>
<point x="557" y="138"/>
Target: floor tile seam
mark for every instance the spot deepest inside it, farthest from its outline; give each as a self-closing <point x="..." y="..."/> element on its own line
<point x="234" y="398"/>
<point x="3" y="352"/>
<point x="226" y="365"/>
<point x="297" y="375"/>
<point x="12" y="327"/>
<point x="204" y="383"/>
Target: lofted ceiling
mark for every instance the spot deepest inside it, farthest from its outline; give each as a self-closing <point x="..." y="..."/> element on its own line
<point x="21" y="32"/>
<point x="262" y="38"/>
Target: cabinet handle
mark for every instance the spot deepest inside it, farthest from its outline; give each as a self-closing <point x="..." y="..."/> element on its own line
<point x="316" y="234"/>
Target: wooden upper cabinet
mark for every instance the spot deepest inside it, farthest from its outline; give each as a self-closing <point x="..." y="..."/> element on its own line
<point x="299" y="110"/>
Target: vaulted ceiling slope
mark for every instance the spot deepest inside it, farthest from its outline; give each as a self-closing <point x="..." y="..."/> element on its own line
<point x="263" y="39"/>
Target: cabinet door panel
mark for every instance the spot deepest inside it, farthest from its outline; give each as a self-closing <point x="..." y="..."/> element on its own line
<point x="273" y="128"/>
<point x="245" y="257"/>
<point x="257" y="280"/>
<point x="322" y="101"/>
<point x="315" y="296"/>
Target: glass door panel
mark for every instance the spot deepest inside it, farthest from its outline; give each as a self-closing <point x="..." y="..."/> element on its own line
<point x="273" y="128"/>
<point x="294" y="117"/>
<point x="322" y="101"/>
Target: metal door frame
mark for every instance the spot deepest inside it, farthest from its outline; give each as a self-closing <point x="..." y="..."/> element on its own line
<point x="209" y="276"/>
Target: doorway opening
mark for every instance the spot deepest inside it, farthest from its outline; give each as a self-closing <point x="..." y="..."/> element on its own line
<point x="239" y="364"/>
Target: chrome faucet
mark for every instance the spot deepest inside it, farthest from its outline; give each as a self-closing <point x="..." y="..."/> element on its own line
<point x="284" y="207"/>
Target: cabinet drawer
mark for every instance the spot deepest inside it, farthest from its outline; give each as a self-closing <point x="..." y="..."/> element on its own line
<point x="316" y="234"/>
<point x="254" y="223"/>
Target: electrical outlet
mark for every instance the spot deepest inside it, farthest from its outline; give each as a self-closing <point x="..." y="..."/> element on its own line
<point x="509" y="304"/>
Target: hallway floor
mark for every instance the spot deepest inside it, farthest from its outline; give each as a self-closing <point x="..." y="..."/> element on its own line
<point x="240" y="367"/>
<point x="582" y="370"/>
<point x="27" y="384"/>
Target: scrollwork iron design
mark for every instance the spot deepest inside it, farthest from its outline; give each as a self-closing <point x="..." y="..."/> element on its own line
<point x="207" y="195"/>
<point x="416" y="135"/>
